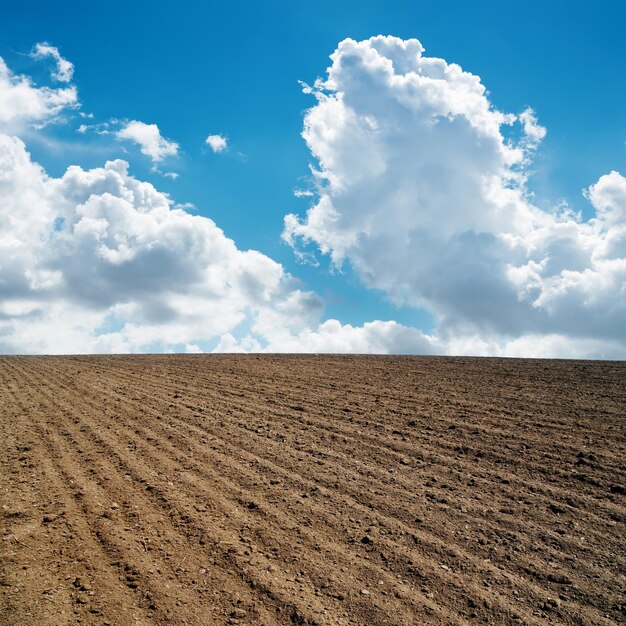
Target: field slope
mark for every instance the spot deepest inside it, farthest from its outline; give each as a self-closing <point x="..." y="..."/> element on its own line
<point x="311" y="490"/>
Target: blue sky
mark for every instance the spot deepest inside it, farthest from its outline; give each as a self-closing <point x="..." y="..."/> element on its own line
<point x="233" y="68"/>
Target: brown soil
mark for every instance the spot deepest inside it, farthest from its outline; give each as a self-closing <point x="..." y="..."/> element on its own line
<point x="311" y="490"/>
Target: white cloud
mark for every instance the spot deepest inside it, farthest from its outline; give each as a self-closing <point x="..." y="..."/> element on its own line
<point x="149" y="139"/>
<point x="421" y="193"/>
<point x="23" y="104"/>
<point x="536" y="346"/>
<point x="99" y="261"/>
<point x="375" y="337"/>
<point x="64" y="69"/>
<point x="104" y="260"/>
<point x="535" y="133"/>
<point x="217" y="143"/>
<point x="100" y="128"/>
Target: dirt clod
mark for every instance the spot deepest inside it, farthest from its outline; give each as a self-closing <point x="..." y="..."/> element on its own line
<point x="559" y="579"/>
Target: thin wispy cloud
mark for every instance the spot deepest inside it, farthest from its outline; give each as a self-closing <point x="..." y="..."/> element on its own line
<point x="64" y="69"/>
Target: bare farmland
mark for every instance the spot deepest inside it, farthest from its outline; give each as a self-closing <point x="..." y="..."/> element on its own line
<point x="311" y="490"/>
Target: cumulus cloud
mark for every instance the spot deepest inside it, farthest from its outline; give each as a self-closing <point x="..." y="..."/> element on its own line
<point x="105" y="255"/>
<point x="23" y="104"/>
<point x="420" y="191"/>
<point x="377" y="337"/>
<point x="99" y="261"/>
<point x="149" y="139"/>
<point x="433" y="211"/>
<point x="217" y="143"/>
<point x="64" y="69"/>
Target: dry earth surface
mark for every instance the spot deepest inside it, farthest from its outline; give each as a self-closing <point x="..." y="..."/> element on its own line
<point x="311" y="490"/>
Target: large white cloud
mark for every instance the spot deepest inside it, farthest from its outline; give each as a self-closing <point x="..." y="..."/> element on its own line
<point x="149" y="139"/>
<point x="99" y="261"/>
<point x="109" y="250"/>
<point x="421" y="192"/>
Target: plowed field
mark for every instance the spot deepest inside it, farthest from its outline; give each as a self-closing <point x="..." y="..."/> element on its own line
<point x="311" y="490"/>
